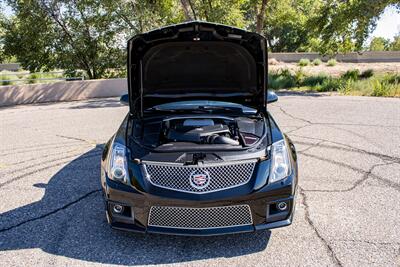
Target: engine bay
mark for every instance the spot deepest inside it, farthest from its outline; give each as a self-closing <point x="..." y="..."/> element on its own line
<point x="197" y="130"/>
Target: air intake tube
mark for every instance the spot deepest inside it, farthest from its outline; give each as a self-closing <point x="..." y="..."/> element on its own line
<point x="219" y="139"/>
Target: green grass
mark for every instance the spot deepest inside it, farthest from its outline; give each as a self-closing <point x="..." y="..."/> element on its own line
<point x="351" y="75"/>
<point x="367" y="74"/>
<point x="317" y="62"/>
<point x="304" y="62"/>
<point x="282" y="79"/>
<point x="331" y="62"/>
<point x="32" y="78"/>
<point x="24" y="78"/>
<point x="315" y="80"/>
<point x="6" y="77"/>
<point x="350" y="83"/>
<point x="375" y="86"/>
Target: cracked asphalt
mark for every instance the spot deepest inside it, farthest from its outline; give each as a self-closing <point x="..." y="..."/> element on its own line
<point x="347" y="213"/>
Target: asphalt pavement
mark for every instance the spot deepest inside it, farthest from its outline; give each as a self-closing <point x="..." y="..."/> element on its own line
<point x="347" y="213"/>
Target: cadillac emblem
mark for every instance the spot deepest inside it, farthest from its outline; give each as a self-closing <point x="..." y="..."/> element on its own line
<point x="199" y="179"/>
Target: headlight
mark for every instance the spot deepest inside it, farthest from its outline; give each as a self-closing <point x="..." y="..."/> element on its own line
<point x="118" y="164"/>
<point x="280" y="165"/>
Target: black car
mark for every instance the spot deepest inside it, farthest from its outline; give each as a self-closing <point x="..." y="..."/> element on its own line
<point x="198" y="153"/>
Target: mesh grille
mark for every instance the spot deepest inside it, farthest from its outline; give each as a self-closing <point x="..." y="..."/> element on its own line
<point x="200" y="218"/>
<point x="221" y="176"/>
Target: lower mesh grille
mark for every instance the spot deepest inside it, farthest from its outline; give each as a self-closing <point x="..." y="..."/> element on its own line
<point x="200" y="218"/>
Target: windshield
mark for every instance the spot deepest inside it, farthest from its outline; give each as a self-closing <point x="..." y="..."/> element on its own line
<point x="203" y="104"/>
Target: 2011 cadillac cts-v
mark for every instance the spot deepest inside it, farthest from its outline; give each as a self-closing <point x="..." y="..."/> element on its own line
<point x="198" y="153"/>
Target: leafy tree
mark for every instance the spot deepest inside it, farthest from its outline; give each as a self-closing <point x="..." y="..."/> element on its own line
<point x="2" y="56"/>
<point x="70" y="35"/>
<point x="260" y="15"/>
<point x="222" y="11"/>
<point x="286" y="24"/>
<point x="144" y="15"/>
<point x="91" y="35"/>
<point x="86" y="34"/>
<point x="395" y="45"/>
<point x="379" y="44"/>
<point x="348" y="22"/>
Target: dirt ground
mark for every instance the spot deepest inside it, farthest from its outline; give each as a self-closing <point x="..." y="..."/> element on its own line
<point x="384" y="67"/>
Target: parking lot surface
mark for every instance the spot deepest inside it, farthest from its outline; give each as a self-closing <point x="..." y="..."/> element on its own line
<point x="347" y="213"/>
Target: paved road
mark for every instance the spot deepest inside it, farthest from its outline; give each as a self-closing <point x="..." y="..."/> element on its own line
<point x="348" y="210"/>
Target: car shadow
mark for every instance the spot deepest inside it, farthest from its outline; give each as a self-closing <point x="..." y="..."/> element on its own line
<point x="69" y="221"/>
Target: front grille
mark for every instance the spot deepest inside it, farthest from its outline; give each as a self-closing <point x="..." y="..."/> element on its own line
<point x="200" y="218"/>
<point x="177" y="176"/>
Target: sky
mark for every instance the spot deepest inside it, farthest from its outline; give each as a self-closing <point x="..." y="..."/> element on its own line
<point x="388" y="24"/>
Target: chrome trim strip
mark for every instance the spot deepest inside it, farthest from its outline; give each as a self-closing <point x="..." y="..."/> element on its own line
<point x="200" y="165"/>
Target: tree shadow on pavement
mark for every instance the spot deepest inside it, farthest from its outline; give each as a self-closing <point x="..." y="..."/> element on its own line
<point x="284" y="92"/>
<point x="69" y="221"/>
<point x="97" y="103"/>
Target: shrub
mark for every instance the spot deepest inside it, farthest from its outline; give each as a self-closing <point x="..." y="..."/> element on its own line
<point x="367" y="74"/>
<point x="281" y="79"/>
<point x="304" y="62"/>
<point x="299" y="77"/>
<point x="330" y="84"/>
<point x="32" y="78"/>
<point x="317" y="62"/>
<point x="6" y="79"/>
<point x="377" y="86"/>
<point x="347" y="86"/>
<point x="392" y="78"/>
<point x="381" y="88"/>
<point x="331" y="62"/>
<point x="273" y="81"/>
<point x="114" y="73"/>
<point x="351" y="75"/>
<point x="315" y="80"/>
<point x="349" y="83"/>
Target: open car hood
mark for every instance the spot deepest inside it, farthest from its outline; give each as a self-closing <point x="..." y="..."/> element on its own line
<point x="196" y="61"/>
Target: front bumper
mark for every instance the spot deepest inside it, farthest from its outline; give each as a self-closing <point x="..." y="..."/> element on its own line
<point x="262" y="204"/>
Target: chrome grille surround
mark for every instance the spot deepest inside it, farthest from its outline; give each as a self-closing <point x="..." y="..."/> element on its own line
<point x="176" y="176"/>
<point x="200" y="218"/>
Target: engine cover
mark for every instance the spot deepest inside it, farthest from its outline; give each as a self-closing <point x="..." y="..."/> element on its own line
<point x="198" y="134"/>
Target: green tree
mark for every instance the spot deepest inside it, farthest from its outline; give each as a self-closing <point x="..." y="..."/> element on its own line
<point x="91" y="34"/>
<point x="395" y="45"/>
<point x="70" y="35"/>
<point x="87" y="34"/>
<point x="222" y="11"/>
<point x="2" y="56"/>
<point x="348" y="22"/>
<point x="140" y="16"/>
<point x="379" y="44"/>
<point x="285" y="26"/>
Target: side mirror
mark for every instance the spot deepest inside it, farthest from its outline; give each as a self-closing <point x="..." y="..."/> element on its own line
<point x="124" y="100"/>
<point x="271" y="97"/>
